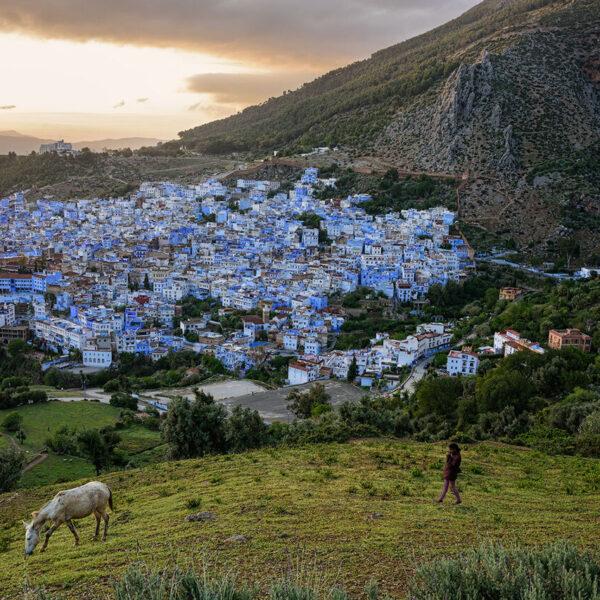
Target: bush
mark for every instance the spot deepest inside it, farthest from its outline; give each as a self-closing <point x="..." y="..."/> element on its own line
<point x="11" y="464"/>
<point x="554" y="572"/>
<point x="12" y="421"/>
<point x="245" y="429"/>
<point x="64" y="441"/>
<point x="124" y="401"/>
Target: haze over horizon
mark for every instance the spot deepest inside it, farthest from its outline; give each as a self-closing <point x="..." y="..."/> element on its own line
<point x="152" y="69"/>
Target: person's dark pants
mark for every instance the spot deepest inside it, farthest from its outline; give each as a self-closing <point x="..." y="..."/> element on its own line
<point x="452" y="484"/>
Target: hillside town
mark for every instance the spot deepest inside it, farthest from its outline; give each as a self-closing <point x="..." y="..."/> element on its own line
<point x="107" y="276"/>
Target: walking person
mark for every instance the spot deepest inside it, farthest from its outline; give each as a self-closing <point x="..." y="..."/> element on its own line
<point x="451" y="471"/>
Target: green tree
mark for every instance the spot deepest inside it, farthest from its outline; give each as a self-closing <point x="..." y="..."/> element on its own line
<point x="438" y="396"/>
<point x="194" y="428"/>
<point x="124" y="401"/>
<point x="12" y="421"/>
<point x="98" y="447"/>
<point x="503" y="387"/>
<point x="146" y="282"/>
<point x="213" y="364"/>
<point x="245" y="429"/>
<point x="12" y="462"/>
<point x="352" y="370"/>
<point x="18" y="347"/>
<point x="302" y="404"/>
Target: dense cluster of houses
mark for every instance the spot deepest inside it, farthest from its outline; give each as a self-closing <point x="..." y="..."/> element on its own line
<point x="383" y="356"/>
<point x="106" y="276"/>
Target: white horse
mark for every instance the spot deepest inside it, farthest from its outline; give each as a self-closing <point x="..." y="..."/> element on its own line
<point x="75" y="503"/>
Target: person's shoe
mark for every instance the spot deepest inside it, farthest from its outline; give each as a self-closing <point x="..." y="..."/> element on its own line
<point x="439" y="501"/>
<point x="457" y="502"/>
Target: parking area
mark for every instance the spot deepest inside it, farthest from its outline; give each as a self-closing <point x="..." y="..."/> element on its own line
<point x="272" y="404"/>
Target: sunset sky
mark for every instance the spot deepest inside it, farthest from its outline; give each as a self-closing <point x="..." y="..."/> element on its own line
<point x="91" y="69"/>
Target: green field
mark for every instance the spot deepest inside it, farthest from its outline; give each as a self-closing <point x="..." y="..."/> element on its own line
<point x="57" y="469"/>
<point x="41" y="420"/>
<point x="138" y="438"/>
<point x="360" y="511"/>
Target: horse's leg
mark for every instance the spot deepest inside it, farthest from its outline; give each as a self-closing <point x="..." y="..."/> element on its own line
<point x="72" y="528"/>
<point x="97" y="515"/>
<point x="105" y="517"/>
<point x="48" y="534"/>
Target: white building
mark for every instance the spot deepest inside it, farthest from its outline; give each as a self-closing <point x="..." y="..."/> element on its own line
<point x="303" y="371"/>
<point x="97" y="358"/>
<point x="463" y="362"/>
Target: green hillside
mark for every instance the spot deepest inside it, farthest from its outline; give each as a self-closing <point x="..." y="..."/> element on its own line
<point x="352" y="104"/>
<point x="359" y="511"/>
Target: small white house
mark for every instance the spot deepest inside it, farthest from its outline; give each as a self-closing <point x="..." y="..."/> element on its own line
<point x="463" y="362"/>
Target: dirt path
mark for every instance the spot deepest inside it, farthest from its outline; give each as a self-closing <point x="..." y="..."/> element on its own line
<point x="11" y="440"/>
<point x="35" y="462"/>
<point x="40" y="458"/>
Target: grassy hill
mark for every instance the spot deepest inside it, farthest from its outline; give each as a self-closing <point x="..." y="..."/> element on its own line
<point x="90" y="175"/>
<point x="42" y="420"/>
<point x="358" y="511"/>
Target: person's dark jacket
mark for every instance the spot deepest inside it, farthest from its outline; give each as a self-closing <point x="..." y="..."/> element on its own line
<point x="452" y="468"/>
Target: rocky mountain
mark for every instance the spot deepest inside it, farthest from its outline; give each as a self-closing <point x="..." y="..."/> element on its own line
<point x="508" y="94"/>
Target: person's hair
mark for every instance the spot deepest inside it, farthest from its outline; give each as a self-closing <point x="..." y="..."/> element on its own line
<point x="454" y="446"/>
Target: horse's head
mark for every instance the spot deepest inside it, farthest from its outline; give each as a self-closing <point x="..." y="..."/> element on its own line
<point x="32" y="537"/>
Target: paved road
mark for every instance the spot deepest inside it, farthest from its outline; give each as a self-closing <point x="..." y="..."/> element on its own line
<point x="272" y="404"/>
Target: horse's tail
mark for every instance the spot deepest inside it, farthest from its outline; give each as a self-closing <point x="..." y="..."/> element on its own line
<point x="110" y="504"/>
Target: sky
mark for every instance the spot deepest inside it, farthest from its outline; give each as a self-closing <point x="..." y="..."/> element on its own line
<point x="96" y="69"/>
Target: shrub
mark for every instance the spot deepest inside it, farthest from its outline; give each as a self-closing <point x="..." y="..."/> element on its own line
<point x="11" y="463"/>
<point x="554" y="572"/>
<point x="12" y="421"/>
<point x="124" y="401"/>
<point x="245" y="429"/>
<point x="64" y="441"/>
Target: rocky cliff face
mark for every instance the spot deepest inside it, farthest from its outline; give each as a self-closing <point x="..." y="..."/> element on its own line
<point x="525" y="97"/>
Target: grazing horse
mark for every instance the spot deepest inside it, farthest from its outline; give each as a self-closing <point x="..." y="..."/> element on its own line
<point x="75" y="503"/>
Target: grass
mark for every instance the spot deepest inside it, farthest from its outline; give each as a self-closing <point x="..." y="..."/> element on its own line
<point x="138" y="438"/>
<point x="57" y="469"/>
<point x="41" y="420"/>
<point x="321" y="498"/>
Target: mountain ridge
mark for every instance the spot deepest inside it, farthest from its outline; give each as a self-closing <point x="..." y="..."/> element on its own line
<point x="509" y="92"/>
<point x="14" y="141"/>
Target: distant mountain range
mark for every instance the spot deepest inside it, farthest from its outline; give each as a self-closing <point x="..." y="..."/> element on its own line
<point x="13" y="141"/>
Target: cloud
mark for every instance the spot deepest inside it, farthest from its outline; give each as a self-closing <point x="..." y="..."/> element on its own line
<point x="142" y="100"/>
<point x="8" y="107"/>
<point x="312" y="34"/>
<point x="245" y="88"/>
<point x="119" y="104"/>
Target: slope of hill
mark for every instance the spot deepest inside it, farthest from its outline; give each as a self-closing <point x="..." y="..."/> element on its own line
<point x="89" y="175"/>
<point x="508" y="92"/>
<point x="359" y="511"/>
